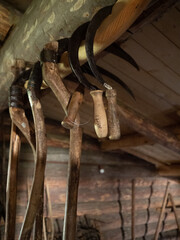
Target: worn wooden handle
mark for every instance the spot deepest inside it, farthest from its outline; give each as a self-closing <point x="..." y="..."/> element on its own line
<point x="100" y="118"/>
<point x="112" y="115"/>
<point x="73" y="109"/>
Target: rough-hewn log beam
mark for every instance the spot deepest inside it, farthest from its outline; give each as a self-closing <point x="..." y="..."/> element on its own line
<point x="8" y="18"/>
<point x="148" y="129"/>
<point x="45" y="21"/>
<point x="171" y="171"/>
<point x="132" y="140"/>
<point x="136" y="139"/>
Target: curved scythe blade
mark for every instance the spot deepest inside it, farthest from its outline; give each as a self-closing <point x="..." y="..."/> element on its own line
<point x="119" y="52"/>
<point x="91" y="31"/>
<point x="74" y="44"/>
<point x="86" y="69"/>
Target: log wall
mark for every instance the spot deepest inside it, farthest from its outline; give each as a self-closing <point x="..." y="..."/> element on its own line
<point x="105" y="194"/>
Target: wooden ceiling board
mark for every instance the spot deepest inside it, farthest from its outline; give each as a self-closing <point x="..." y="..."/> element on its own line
<point x="169" y="25"/>
<point x="147" y="103"/>
<point x="164" y="50"/>
<point x="145" y="79"/>
<point x="153" y="65"/>
<point x="158" y="152"/>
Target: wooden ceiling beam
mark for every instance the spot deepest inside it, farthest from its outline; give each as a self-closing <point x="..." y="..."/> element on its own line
<point x="135" y="140"/>
<point x="171" y="171"/>
<point x="148" y="129"/>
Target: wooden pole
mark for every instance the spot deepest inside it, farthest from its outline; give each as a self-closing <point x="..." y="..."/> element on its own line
<point x="11" y="191"/>
<point x="36" y="197"/>
<point x="52" y="77"/>
<point x="69" y="230"/>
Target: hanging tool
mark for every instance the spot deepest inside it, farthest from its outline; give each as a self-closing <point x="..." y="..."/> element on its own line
<point x="52" y="77"/>
<point x="100" y="118"/>
<point x="19" y="118"/>
<point x="113" y="119"/>
<point x="35" y="201"/>
<point x="15" y="101"/>
<point x="11" y="190"/>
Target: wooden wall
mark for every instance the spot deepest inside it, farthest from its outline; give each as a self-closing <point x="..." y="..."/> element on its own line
<point x="105" y="194"/>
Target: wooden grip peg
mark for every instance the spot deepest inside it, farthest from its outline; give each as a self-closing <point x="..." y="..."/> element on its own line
<point x="73" y="109"/>
<point x="100" y="118"/>
<point x="112" y="115"/>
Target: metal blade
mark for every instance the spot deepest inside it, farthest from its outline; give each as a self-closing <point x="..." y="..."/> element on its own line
<point x="73" y="48"/>
<point x="91" y="31"/>
<point x="86" y="69"/>
<point x="119" y="52"/>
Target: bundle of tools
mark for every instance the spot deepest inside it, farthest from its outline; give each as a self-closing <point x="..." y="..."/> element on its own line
<point x="48" y="70"/>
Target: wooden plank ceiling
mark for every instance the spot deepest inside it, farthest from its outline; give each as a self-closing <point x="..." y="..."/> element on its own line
<point x="156" y="49"/>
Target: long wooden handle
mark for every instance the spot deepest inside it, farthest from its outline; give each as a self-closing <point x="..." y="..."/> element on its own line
<point x="100" y="118"/>
<point x="73" y="109"/>
<point x="112" y="115"/>
<point x="11" y="191"/>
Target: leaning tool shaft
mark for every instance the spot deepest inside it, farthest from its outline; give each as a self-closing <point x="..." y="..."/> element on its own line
<point x="11" y="191"/>
<point x="40" y="163"/>
<point x="69" y="229"/>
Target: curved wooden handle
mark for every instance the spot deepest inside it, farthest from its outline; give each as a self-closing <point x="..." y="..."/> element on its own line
<point x="112" y="115"/>
<point x="73" y="109"/>
<point x="100" y="118"/>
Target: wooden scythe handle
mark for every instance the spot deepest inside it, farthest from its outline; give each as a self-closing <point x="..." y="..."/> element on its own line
<point x="15" y="144"/>
<point x="112" y="115"/>
<point x="52" y="76"/>
<point x="73" y="109"/>
<point x="100" y="118"/>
